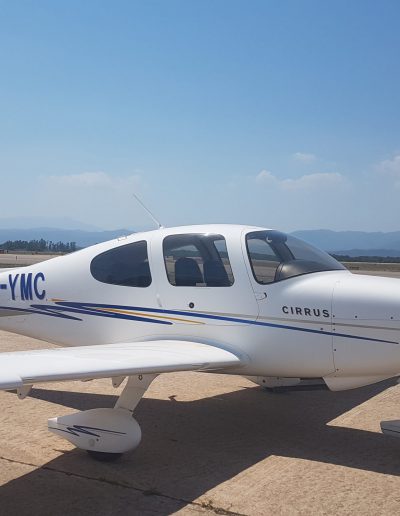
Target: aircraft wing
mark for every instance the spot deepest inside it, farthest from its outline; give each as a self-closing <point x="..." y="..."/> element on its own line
<point x="110" y="360"/>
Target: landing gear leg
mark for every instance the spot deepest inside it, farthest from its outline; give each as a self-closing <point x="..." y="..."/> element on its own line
<point x="106" y="433"/>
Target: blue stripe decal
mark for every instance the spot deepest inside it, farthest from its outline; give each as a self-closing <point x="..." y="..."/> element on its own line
<point x="93" y="309"/>
<point x="51" y="312"/>
<point x="223" y="318"/>
<point x="88" y="311"/>
<point x="87" y="430"/>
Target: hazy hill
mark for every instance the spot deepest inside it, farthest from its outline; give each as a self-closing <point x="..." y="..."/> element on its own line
<point x="353" y="243"/>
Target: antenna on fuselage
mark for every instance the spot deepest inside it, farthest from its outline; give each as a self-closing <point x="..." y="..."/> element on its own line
<point x="159" y="225"/>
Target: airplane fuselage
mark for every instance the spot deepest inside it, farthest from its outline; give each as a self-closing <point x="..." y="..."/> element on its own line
<point x="240" y="288"/>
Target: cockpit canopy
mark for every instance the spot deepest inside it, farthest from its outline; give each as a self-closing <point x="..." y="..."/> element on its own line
<point x="275" y="256"/>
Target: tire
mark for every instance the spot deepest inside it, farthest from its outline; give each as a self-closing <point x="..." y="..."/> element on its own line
<point x="104" y="456"/>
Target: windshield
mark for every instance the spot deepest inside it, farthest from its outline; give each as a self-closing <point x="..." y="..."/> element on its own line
<point x="275" y="256"/>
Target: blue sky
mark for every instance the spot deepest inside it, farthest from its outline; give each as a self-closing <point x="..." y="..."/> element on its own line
<point x="283" y="114"/>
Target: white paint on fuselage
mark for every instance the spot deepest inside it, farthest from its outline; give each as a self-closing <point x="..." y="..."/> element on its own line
<point x="293" y="337"/>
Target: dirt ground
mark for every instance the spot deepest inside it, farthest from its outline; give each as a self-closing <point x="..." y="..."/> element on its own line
<point x="212" y="444"/>
<point x="19" y="260"/>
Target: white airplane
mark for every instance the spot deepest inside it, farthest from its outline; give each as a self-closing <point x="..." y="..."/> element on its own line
<point x="218" y="298"/>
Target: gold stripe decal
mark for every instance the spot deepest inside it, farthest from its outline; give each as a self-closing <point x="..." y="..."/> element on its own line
<point x="152" y="316"/>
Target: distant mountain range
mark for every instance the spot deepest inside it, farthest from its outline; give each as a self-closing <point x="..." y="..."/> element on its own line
<point x="351" y="243"/>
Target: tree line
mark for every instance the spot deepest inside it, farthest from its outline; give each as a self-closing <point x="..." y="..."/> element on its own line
<point x="373" y="259"/>
<point x="39" y="246"/>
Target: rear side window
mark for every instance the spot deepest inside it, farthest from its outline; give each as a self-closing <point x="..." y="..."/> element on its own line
<point x="127" y="265"/>
<point x="197" y="260"/>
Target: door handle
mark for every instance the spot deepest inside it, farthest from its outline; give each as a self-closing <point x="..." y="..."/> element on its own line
<point x="261" y="295"/>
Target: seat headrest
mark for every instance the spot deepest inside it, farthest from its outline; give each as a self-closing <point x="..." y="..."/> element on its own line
<point x="187" y="272"/>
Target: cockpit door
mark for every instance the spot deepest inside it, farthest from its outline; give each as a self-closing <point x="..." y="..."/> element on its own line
<point x="262" y="262"/>
<point x="296" y="310"/>
<point x="204" y="276"/>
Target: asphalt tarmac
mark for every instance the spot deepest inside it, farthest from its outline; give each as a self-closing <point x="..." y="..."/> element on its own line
<point x="212" y="444"/>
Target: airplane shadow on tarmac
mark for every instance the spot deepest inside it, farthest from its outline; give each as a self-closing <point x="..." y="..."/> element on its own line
<point x="188" y="448"/>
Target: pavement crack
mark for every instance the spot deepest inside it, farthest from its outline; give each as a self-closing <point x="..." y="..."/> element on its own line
<point x="207" y="505"/>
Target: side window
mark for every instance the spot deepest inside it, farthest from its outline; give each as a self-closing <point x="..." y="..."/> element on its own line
<point x="197" y="260"/>
<point x="127" y="265"/>
<point x="263" y="259"/>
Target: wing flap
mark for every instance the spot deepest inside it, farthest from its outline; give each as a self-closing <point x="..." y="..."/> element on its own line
<point x="110" y="360"/>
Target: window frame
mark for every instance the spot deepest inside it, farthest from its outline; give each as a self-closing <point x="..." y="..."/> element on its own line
<point x="251" y="261"/>
<point x="230" y="275"/>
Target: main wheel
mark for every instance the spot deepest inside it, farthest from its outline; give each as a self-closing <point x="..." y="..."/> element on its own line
<point x="104" y="456"/>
